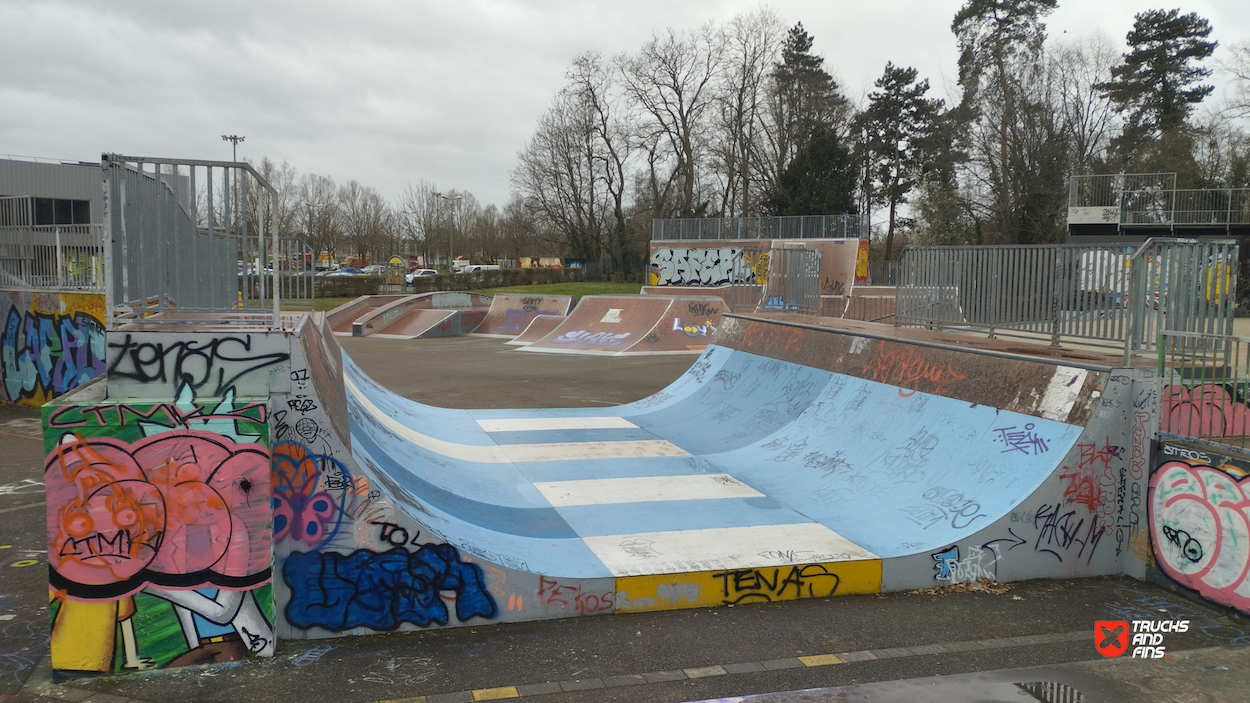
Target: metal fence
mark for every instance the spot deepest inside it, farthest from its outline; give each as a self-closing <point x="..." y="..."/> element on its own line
<point x="852" y="226"/>
<point x="295" y="275"/>
<point x="1153" y="200"/>
<point x="783" y="280"/>
<point x="1205" y="387"/>
<point x="184" y="232"/>
<point x="1110" y="296"/>
<point x="52" y="256"/>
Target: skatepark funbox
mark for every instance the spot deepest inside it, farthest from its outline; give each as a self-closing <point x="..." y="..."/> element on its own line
<point x="222" y="490"/>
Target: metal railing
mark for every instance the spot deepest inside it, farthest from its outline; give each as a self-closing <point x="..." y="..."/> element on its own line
<point x="52" y="257"/>
<point x="851" y="226"/>
<point x="181" y="230"/>
<point x="1153" y="200"/>
<point x="1118" y="297"/>
<point x="781" y="280"/>
<point x="295" y="276"/>
<point x="1205" y="386"/>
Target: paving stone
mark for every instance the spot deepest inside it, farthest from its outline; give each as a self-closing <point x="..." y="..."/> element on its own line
<point x="581" y="684"/>
<point x="626" y="680"/>
<point x="776" y="664"/>
<point x="861" y="656"/>
<point x="821" y="660"/>
<point x="538" y="689"/>
<point x="705" y="671"/>
<point x="891" y="652"/>
<point x="495" y="694"/>
<point x="926" y="649"/>
<point x="743" y="668"/>
<point x="658" y="676"/>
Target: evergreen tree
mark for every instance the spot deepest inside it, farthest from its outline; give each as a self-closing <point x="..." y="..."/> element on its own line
<point x="1158" y="86"/>
<point x="896" y="126"/>
<point x="802" y="96"/>
<point x="819" y="181"/>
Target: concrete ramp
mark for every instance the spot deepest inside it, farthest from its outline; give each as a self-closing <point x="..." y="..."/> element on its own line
<point x="635" y="324"/>
<point x="538" y="328"/>
<point x="510" y="315"/>
<point x="341" y="318"/>
<point x="439" y="314"/>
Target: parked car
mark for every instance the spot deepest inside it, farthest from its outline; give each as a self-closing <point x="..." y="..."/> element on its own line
<point x="416" y="273"/>
<point x="346" y="271"/>
<point x="378" y="270"/>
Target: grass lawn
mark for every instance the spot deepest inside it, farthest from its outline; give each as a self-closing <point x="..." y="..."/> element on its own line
<point x="577" y="290"/>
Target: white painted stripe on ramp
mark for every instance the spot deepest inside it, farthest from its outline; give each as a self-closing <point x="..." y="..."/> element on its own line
<point x="518" y="453"/>
<point x="723" y="548"/>
<point x="644" y="489"/>
<point x="529" y="424"/>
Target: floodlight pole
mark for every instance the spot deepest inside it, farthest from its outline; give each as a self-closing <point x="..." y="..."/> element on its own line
<point x="234" y="140"/>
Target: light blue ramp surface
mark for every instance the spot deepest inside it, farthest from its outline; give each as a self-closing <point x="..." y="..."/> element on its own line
<point x="739" y="444"/>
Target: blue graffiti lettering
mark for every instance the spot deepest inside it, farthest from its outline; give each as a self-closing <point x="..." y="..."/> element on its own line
<point x="52" y="354"/>
<point x="383" y="590"/>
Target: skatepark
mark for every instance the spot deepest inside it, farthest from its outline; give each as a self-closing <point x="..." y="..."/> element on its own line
<point x="264" y="488"/>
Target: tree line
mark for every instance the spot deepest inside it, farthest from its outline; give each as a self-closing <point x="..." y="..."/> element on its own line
<point x="743" y="118"/>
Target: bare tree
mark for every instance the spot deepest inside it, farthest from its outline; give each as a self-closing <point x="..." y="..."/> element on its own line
<point x="1076" y="69"/>
<point x="672" y="80"/>
<point x="752" y="43"/>
<point x="367" y="220"/>
<point x="556" y="175"/>
<point x="319" y="211"/>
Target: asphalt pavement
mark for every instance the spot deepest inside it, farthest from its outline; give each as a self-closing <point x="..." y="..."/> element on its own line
<point x="1032" y="641"/>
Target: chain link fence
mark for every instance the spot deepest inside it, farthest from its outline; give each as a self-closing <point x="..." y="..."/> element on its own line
<point x="852" y="226"/>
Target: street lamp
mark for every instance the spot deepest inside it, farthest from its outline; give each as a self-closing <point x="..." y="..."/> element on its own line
<point x="451" y="240"/>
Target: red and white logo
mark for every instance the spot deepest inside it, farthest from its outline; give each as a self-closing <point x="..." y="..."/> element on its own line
<point x="1111" y="637"/>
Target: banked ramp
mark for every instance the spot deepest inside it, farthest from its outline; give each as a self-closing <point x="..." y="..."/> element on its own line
<point x="788" y="462"/>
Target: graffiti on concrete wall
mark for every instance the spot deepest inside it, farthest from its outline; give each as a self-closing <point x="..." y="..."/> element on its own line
<point x="699" y="267"/>
<point x="159" y="542"/>
<point x="52" y="344"/>
<point x="1200" y="528"/>
<point x="208" y="365"/>
<point x="1204" y="410"/>
<point x="382" y="590"/>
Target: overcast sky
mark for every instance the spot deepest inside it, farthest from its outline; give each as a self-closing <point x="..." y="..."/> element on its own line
<point x="391" y="92"/>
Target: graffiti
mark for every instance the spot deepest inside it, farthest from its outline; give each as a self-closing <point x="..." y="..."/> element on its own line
<point x="1061" y="531"/>
<point x="698" y="309"/>
<point x="48" y="354"/>
<point x="220" y="361"/>
<point x="944" y="505"/>
<point x="694" y="330"/>
<point x="402" y="671"/>
<point x="395" y="535"/>
<point x="304" y="510"/>
<point x="756" y="585"/>
<point x="831" y="286"/>
<point x="301" y="404"/>
<point x="828" y="463"/>
<point x="1088" y="485"/>
<point x="383" y="590"/>
<point x="908" y="369"/>
<point x="1199" y="528"/>
<point x="1025" y="441"/>
<point x="24" y="643"/>
<point x="175" y="509"/>
<point x="224" y="417"/>
<point x="597" y="339"/>
<point x="699" y="267"/>
<point x="907" y="460"/>
<point x="640" y="548"/>
<point x="1207" y="410"/>
<point x="980" y="563"/>
<point x="771" y="338"/>
<point x="517" y="320"/>
<point x="313" y="655"/>
<point x="551" y="592"/>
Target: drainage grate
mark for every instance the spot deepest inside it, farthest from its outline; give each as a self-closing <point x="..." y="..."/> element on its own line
<point x="1052" y="692"/>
